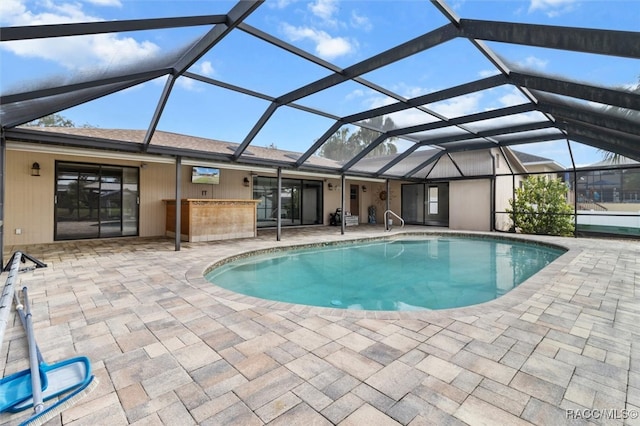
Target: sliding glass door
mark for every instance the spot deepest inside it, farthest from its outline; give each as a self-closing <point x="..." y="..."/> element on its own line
<point x="426" y="204"/>
<point x="95" y="201"/>
<point x="301" y="201"/>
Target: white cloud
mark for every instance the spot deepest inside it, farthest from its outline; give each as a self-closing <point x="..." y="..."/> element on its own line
<point x="377" y="101"/>
<point x="358" y="93"/>
<point x="11" y="8"/>
<point x="552" y="8"/>
<point x="511" y="98"/>
<point x="411" y="117"/>
<point x="279" y="4"/>
<point x="114" y="3"/>
<point x="78" y="52"/>
<point x="333" y="47"/>
<point x="459" y="106"/>
<point x="410" y="92"/>
<point x="360" y="22"/>
<point x="533" y="62"/>
<point x="207" y="69"/>
<point x="457" y="5"/>
<point x="325" y="46"/>
<point x="188" y="84"/>
<point x="324" y="9"/>
<point x="488" y="73"/>
<point x="405" y="118"/>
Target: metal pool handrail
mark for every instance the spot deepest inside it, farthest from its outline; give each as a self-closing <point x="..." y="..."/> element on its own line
<point x="386" y="220"/>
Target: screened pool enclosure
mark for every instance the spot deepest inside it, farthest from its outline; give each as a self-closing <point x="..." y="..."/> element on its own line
<point x="413" y="98"/>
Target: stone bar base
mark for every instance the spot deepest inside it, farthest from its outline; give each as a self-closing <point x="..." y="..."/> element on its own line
<point x="212" y="220"/>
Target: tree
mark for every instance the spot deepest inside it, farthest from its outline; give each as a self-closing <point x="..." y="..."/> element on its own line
<point x="540" y="207"/>
<point x="53" y="120"/>
<point x="56" y="120"/>
<point x="344" y="146"/>
<point x="339" y="146"/>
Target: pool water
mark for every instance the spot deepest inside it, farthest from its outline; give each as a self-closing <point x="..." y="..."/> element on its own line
<point x="395" y="275"/>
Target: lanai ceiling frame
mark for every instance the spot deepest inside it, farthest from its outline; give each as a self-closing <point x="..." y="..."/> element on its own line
<point x="235" y="16"/>
<point x="582" y="40"/>
<point x="604" y="42"/>
<point x="172" y="65"/>
<point x="354" y="73"/>
<point x="599" y="129"/>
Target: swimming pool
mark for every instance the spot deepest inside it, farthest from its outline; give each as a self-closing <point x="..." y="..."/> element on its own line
<point x="388" y="275"/>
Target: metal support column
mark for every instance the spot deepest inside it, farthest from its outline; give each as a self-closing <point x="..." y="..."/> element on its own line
<point x="178" y="201"/>
<point x="343" y="183"/>
<point x="387" y="204"/>
<point x="279" y="219"/>
<point x="3" y="168"/>
<point x="492" y="222"/>
<point x="513" y="197"/>
<point x="575" y="191"/>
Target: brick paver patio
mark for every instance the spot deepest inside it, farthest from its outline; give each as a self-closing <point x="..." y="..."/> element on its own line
<point x="168" y="348"/>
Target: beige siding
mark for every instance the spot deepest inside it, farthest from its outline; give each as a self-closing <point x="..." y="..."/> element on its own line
<point x="27" y="198"/>
<point x="157" y="183"/>
<point x="504" y="193"/>
<point x="231" y="185"/>
<point x="470" y="205"/>
<point x="369" y="198"/>
<point x="30" y="200"/>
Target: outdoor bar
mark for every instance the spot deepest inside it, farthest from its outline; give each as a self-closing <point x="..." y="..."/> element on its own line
<point x="211" y="220"/>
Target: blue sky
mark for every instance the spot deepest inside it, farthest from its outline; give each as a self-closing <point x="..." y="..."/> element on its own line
<point x="341" y="32"/>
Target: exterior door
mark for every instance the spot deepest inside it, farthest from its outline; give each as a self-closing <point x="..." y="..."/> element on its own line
<point x="95" y="201"/>
<point x="301" y="201"/>
<point x="426" y="204"/>
<point x="354" y="200"/>
<point x="437" y="204"/>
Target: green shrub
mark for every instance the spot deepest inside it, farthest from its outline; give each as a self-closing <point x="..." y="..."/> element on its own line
<point x="540" y="207"/>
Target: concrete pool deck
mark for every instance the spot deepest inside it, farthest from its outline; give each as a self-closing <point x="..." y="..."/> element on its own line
<point x="168" y="348"/>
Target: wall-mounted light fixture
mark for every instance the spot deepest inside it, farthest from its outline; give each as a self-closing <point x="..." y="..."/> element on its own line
<point x="364" y="188"/>
<point x="245" y="181"/>
<point x="330" y="186"/>
<point x="35" y="169"/>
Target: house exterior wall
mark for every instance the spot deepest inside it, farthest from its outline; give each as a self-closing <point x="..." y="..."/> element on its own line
<point x="29" y="200"/>
<point x="504" y="193"/>
<point x="505" y="187"/>
<point x="369" y="198"/>
<point x="470" y="205"/>
<point x="157" y="183"/>
<point x="29" y="204"/>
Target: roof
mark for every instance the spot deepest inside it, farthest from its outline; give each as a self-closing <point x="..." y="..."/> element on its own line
<point x="165" y="143"/>
<point x="548" y="107"/>
<point x="529" y="160"/>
